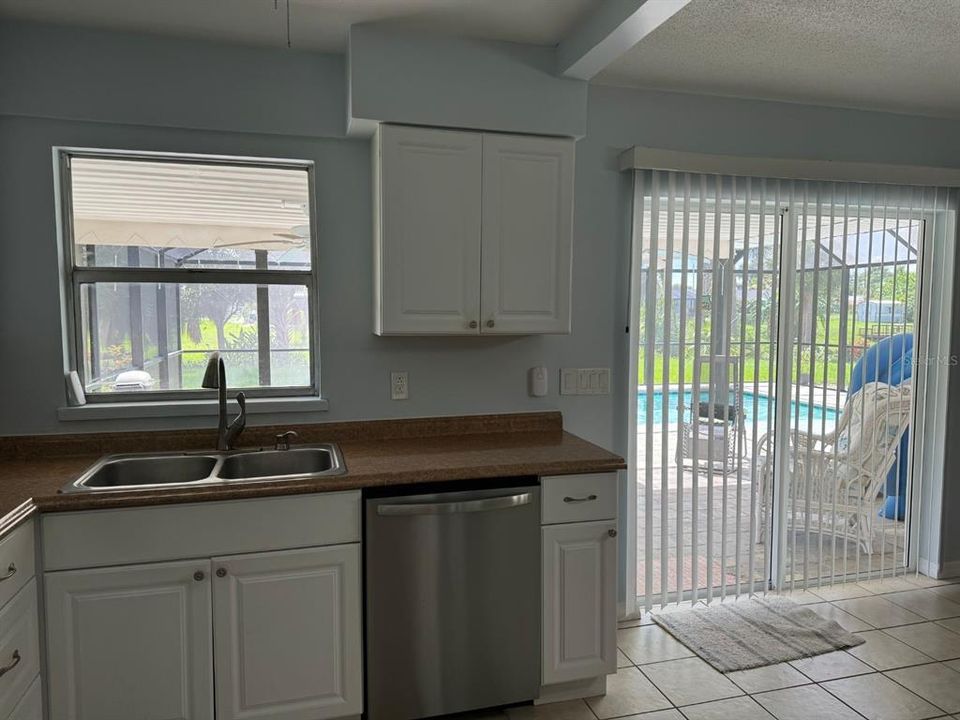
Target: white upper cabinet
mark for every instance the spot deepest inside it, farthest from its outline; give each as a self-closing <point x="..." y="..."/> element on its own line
<point x="427" y="254"/>
<point x="526" y="237"/>
<point x="473" y="232"/>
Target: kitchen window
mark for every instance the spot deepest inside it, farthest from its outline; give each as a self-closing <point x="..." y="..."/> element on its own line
<point x="168" y="258"/>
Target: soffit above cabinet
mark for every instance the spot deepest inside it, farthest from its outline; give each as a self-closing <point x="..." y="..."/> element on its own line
<point x="417" y="78"/>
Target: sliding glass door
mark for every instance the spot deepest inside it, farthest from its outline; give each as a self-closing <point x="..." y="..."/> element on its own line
<point x="773" y="335"/>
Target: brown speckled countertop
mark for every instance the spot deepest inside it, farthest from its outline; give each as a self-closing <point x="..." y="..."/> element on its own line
<point x="375" y="454"/>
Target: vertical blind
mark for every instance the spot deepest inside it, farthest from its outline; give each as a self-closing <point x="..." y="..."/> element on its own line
<point x="755" y="304"/>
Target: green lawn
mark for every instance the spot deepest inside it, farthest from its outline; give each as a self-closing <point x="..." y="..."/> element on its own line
<point x="824" y="370"/>
<point x="286" y="368"/>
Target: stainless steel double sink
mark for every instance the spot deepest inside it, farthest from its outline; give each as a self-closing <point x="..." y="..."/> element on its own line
<point x="170" y="470"/>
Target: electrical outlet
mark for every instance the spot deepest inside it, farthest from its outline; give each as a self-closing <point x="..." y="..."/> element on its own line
<point x="398" y="386"/>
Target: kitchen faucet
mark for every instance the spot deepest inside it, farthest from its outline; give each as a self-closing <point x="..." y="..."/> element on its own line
<point x="215" y="377"/>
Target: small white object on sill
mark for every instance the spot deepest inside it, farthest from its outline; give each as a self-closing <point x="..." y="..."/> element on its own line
<point x="75" y="394"/>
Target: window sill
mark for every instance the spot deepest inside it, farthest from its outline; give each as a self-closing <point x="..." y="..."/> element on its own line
<point x="187" y="408"/>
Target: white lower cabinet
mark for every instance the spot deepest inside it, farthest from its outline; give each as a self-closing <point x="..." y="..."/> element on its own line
<point x="19" y="647"/>
<point x="579" y="601"/>
<point x="287" y="641"/>
<point x="281" y="630"/>
<point x="30" y="706"/>
<point x="130" y="642"/>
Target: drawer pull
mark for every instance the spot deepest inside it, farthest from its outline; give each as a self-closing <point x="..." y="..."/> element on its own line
<point x="11" y="571"/>
<point x="12" y="664"/>
<point x="588" y="498"/>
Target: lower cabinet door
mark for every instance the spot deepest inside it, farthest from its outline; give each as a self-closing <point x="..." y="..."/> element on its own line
<point x="579" y="601"/>
<point x="130" y="642"/>
<point x="287" y="634"/>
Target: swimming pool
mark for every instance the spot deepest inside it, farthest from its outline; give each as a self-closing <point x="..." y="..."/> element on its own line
<point x="765" y="406"/>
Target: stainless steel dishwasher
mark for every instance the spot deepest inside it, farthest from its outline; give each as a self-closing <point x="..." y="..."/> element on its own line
<point x="452" y="601"/>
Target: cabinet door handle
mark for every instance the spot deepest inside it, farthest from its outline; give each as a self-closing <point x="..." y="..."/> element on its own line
<point x="473" y="325"/>
<point x="612" y="532"/>
<point x="490" y="323"/>
<point x="221" y="572"/>
<point x="588" y="498"/>
<point x="11" y="571"/>
<point x="199" y="575"/>
<point x="15" y="660"/>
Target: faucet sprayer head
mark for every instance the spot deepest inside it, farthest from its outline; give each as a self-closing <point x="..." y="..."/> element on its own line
<point x="211" y="376"/>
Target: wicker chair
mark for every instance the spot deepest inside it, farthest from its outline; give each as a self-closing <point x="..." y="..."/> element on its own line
<point x="841" y="472"/>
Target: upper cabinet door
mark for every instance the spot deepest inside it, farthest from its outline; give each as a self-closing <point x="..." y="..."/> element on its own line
<point x="287" y="634"/>
<point x="527" y="234"/>
<point x="427" y="231"/>
<point x="130" y="642"/>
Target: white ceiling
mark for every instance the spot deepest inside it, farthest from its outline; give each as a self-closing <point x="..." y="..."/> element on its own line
<point x="314" y="24"/>
<point x="896" y="55"/>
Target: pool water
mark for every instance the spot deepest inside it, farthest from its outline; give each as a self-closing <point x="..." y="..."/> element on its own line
<point x="765" y="406"/>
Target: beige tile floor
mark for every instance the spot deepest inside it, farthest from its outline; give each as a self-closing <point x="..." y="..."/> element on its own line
<point x="908" y="668"/>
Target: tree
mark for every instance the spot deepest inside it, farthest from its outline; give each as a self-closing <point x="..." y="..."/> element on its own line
<point x="218" y="303"/>
<point x="288" y="316"/>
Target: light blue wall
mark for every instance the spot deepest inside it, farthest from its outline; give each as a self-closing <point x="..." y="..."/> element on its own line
<point x="711" y="124"/>
<point x="65" y="72"/>
<point x="619" y="118"/>
<point x="447" y="376"/>
<point x="68" y="87"/>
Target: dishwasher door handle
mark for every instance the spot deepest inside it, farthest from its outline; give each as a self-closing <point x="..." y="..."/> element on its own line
<point x="464" y="506"/>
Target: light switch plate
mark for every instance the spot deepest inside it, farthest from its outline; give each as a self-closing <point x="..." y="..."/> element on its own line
<point x="568" y="381"/>
<point x="585" y="381"/>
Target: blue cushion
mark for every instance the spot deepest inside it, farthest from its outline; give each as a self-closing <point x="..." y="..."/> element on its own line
<point x="889" y="361"/>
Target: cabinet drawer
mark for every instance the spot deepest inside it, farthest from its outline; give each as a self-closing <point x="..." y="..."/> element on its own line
<point x="578" y="498"/>
<point x="126" y="536"/>
<point x="19" y="647"/>
<point x="30" y="706"/>
<point x="17" y="561"/>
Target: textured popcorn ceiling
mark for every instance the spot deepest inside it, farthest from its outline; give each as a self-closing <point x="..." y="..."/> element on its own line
<point x="897" y="55"/>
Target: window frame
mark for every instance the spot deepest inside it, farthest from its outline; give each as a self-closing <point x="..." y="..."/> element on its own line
<point x="73" y="276"/>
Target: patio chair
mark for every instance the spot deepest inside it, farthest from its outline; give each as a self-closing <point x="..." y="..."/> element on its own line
<point x="842" y="471"/>
<point x="712" y="431"/>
